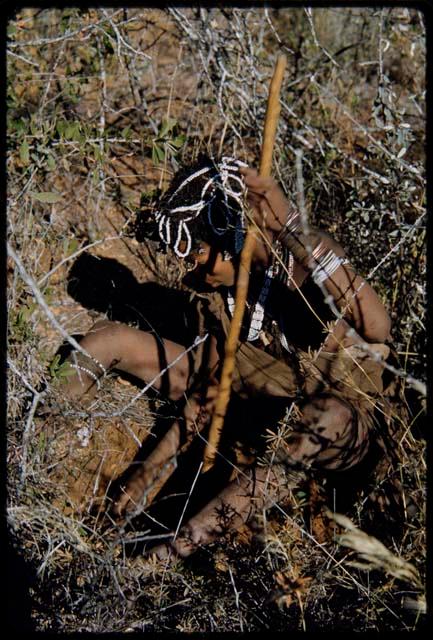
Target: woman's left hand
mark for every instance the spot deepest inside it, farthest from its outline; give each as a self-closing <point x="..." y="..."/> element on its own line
<point x="267" y="200"/>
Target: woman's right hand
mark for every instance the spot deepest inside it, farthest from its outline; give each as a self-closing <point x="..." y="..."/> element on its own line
<point x="267" y="200"/>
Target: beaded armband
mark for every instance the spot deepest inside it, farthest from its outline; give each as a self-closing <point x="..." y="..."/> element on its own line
<point x="327" y="264"/>
<point x="322" y="261"/>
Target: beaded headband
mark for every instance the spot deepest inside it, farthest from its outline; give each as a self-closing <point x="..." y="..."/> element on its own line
<point x="221" y="184"/>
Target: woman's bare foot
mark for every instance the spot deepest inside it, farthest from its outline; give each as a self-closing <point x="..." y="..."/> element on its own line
<point x="164" y="552"/>
<point x="131" y="496"/>
<point x="174" y="550"/>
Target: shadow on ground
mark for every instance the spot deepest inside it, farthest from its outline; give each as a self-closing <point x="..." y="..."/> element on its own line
<point x="107" y="286"/>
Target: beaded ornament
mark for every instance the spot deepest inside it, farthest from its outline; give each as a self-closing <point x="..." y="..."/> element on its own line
<point x="220" y="179"/>
<point x="273" y="272"/>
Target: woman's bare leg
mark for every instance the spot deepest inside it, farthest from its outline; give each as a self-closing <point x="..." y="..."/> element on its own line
<point x="135" y="352"/>
<point x="327" y="437"/>
<point x="251" y="492"/>
<point x="156" y="469"/>
<point x="140" y="354"/>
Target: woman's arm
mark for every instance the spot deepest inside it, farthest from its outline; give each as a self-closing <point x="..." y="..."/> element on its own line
<point x="152" y="474"/>
<point x="354" y="297"/>
<point x="320" y="255"/>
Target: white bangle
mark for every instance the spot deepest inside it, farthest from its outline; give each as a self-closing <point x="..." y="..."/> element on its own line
<point x="326" y="267"/>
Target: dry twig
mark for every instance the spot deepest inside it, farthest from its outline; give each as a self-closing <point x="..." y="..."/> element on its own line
<point x="271" y="121"/>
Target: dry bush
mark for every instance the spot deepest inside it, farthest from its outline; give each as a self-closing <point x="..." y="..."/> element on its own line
<point x="103" y="106"/>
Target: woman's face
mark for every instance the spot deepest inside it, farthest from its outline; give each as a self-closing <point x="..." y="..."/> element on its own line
<point x="211" y="268"/>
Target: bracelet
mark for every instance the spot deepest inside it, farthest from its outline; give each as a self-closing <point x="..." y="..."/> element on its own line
<point x="318" y="252"/>
<point x="326" y="266"/>
<point x="98" y="364"/>
<point x="89" y="373"/>
<point x="291" y="225"/>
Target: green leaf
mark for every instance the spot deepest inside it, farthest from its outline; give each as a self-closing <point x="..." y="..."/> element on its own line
<point x="54" y="365"/>
<point x="126" y="133"/>
<point x="42" y="442"/>
<point x="70" y="131"/>
<point x="24" y="153"/>
<point x="167" y="126"/>
<point x="46" y="196"/>
<point x="178" y="141"/>
<point x="158" y="154"/>
<point x="51" y="163"/>
<point x="24" y="314"/>
<point x="73" y="246"/>
<point x="58" y="370"/>
<point x="70" y="246"/>
<point x="47" y="293"/>
<point x="99" y="155"/>
<point x="60" y="126"/>
<point x="64" y="370"/>
<point x="107" y="44"/>
<point x="20" y="125"/>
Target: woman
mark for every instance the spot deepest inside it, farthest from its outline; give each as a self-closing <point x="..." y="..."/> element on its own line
<point x="314" y="333"/>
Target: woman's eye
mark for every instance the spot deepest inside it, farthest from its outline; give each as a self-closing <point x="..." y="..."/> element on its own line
<point x="201" y="259"/>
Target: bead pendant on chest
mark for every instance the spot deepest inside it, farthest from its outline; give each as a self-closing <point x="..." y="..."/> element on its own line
<point x="281" y="268"/>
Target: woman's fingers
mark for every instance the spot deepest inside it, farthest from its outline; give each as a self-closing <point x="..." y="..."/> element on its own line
<point x="264" y="215"/>
<point x="267" y="199"/>
<point x="127" y="500"/>
<point x="121" y="503"/>
<point x="254" y="182"/>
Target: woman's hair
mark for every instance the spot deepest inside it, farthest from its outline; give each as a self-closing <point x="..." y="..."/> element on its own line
<point x="204" y="202"/>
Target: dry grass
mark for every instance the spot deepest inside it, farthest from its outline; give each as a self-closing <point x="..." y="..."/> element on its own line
<point x="103" y="105"/>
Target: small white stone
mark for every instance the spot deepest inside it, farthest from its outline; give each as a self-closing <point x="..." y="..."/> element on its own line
<point x="83" y="436"/>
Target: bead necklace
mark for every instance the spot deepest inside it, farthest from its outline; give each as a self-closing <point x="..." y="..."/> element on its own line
<point x="258" y="314"/>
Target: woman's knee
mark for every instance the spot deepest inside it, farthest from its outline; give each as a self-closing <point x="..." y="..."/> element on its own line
<point x="140" y="354"/>
<point x="325" y="435"/>
<point x="341" y="438"/>
<point x="327" y="417"/>
<point x="100" y="332"/>
<point x="102" y="341"/>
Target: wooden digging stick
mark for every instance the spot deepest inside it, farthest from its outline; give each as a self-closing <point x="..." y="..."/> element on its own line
<point x="271" y="121"/>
